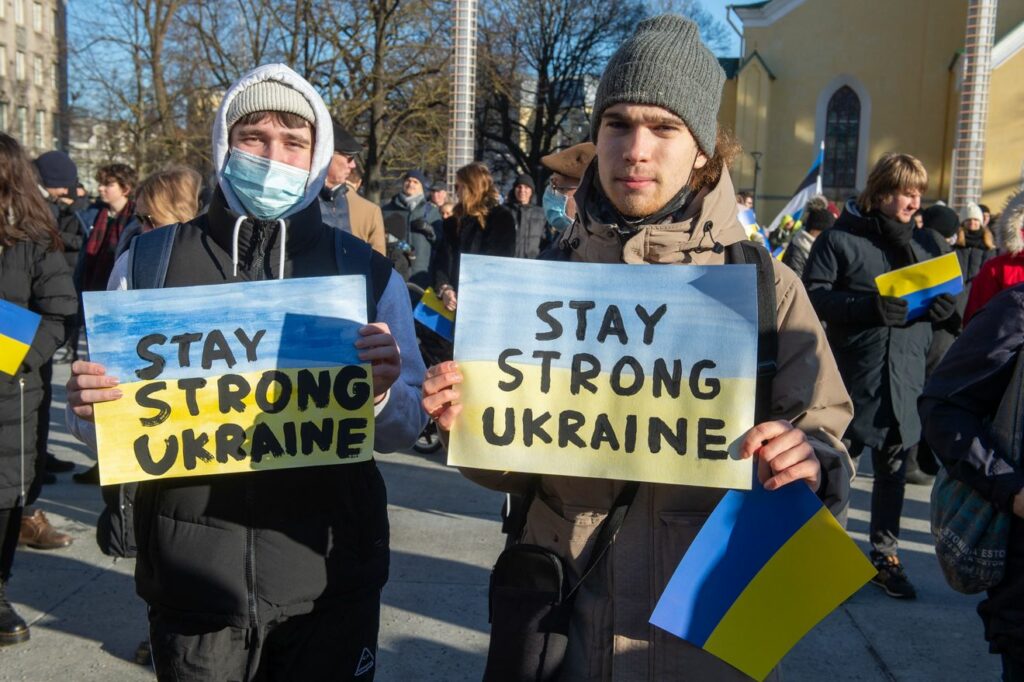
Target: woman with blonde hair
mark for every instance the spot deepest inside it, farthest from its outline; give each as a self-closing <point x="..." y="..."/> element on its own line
<point x="974" y="247"/>
<point x="480" y="225"/>
<point x="165" y="197"/>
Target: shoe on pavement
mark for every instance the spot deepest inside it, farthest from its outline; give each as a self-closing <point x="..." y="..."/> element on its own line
<point x="919" y="477"/>
<point x="58" y="466"/>
<point x="47" y="478"/>
<point x="37" y="533"/>
<point x="90" y="476"/>
<point x="13" y="628"/>
<point x="143" y="654"/>
<point x="891" y="578"/>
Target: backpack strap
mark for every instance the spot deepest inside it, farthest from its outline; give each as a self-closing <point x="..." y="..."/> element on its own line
<point x="148" y="258"/>
<point x="767" y="323"/>
<point x="355" y="257"/>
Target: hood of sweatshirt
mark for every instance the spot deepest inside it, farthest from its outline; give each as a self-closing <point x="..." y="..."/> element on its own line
<point x="323" y="145"/>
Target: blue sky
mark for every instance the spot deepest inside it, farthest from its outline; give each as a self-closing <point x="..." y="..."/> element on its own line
<point x="717" y="9"/>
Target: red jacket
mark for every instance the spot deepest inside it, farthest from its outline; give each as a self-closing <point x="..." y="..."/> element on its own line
<point x="1001" y="272"/>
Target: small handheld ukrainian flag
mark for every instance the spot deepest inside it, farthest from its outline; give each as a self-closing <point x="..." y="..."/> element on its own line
<point x="919" y="284"/>
<point x="432" y="314"/>
<point x="17" y="329"/>
<point x="765" y="569"/>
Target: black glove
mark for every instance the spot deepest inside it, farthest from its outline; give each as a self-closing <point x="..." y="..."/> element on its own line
<point x="890" y="311"/>
<point x="941" y="308"/>
<point x="423" y="228"/>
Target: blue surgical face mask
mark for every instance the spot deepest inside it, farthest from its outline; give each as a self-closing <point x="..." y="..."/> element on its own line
<point x="554" y="209"/>
<point x="267" y="189"/>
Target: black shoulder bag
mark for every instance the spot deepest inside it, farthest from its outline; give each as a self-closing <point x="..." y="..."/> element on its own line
<point x="530" y="600"/>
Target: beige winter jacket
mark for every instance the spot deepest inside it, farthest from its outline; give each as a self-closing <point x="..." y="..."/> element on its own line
<point x="610" y="638"/>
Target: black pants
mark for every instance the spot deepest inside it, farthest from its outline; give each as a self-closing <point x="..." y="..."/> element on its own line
<point x="10" y="527"/>
<point x="890" y="465"/>
<point x="335" y="644"/>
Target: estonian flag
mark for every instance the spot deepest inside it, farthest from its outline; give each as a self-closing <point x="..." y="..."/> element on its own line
<point x="17" y="329"/>
<point x="431" y="313"/>
<point x="809" y="186"/>
<point x="921" y="283"/>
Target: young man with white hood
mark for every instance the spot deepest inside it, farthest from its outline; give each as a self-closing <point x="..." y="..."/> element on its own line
<point x="272" y="574"/>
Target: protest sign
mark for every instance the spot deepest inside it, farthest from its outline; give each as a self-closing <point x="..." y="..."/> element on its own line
<point x="765" y="569"/>
<point x="606" y="371"/>
<point x="17" y="330"/>
<point x="231" y="378"/>
<point x="919" y="284"/>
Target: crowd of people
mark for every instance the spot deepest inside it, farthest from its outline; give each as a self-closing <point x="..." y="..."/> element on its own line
<point x="651" y="187"/>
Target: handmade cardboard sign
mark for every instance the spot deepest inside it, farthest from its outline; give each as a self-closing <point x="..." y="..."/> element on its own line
<point x="606" y="371"/>
<point x="765" y="569"/>
<point x="231" y="378"/>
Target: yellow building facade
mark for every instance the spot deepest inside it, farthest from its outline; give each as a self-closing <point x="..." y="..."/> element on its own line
<point x="867" y="78"/>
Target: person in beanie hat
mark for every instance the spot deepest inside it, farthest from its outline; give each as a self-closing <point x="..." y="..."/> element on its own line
<point x="942" y="220"/>
<point x="660" y="194"/>
<point x="974" y="246"/>
<point x="340" y="204"/>
<point x="531" y="228"/>
<point x="815" y="219"/>
<point x="410" y="218"/>
<point x="271" y="574"/>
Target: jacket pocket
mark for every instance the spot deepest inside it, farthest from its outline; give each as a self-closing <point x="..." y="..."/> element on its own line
<point x="674" y="533"/>
<point x="569" y="536"/>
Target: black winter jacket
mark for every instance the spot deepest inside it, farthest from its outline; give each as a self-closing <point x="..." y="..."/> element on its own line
<point x="531" y="229"/>
<point x="240" y="550"/>
<point x="465" y="235"/>
<point x="959" y="400"/>
<point x="33" y="278"/>
<point x="71" y="227"/>
<point x="883" y="367"/>
<point x="423" y="232"/>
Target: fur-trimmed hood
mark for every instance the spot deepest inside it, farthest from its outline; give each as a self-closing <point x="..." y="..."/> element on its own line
<point x="323" y="145"/>
<point x="1008" y="229"/>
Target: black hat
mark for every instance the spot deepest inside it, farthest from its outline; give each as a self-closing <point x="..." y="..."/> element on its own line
<point x="524" y="179"/>
<point x="56" y="169"/>
<point x="942" y="219"/>
<point x="418" y="175"/>
<point x="817" y="219"/>
<point x="344" y="143"/>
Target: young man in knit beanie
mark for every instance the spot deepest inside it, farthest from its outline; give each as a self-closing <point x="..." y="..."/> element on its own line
<point x="271" y="574"/>
<point x="660" y="193"/>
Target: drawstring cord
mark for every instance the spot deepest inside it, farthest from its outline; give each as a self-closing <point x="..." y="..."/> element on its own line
<point x="234" y="244"/>
<point x="21" y="391"/>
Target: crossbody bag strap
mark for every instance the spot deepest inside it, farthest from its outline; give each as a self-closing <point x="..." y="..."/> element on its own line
<point x="607" y="531"/>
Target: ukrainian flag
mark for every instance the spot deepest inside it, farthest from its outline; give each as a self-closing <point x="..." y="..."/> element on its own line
<point x="765" y="569"/>
<point x="432" y="314"/>
<point x="17" y="329"/>
<point x="921" y="283"/>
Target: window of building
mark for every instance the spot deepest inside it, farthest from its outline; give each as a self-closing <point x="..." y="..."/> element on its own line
<point x="4" y="116"/>
<point x="842" y="132"/>
<point x="3" y="10"/>
<point x="37" y="70"/>
<point x="37" y="16"/>
<point x="54" y="83"/>
<point x="3" y="59"/>
<point x="22" y="124"/>
<point x="40" y="129"/>
<point x="19" y="65"/>
<point x="19" y="12"/>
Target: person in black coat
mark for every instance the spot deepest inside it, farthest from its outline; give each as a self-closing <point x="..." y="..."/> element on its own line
<point x="410" y="217"/>
<point x="881" y="354"/>
<point x="33" y="275"/>
<point x="959" y="401"/>
<point x="531" y="227"/>
<point x="974" y="245"/>
<point x="480" y="226"/>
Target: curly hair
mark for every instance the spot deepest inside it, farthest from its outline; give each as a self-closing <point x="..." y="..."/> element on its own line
<point x="121" y="173"/>
<point x="727" y="148"/>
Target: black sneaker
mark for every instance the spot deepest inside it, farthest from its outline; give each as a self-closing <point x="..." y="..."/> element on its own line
<point x="90" y="476"/>
<point x="892" y="579"/>
<point x="58" y="466"/>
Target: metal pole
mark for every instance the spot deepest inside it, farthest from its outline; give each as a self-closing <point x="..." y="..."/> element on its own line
<point x="757" y="170"/>
<point x="461" y="134"/>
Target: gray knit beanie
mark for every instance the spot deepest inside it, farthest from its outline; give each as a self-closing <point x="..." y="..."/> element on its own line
<point x="269" y="95"/>
<point x="665" y="64"/>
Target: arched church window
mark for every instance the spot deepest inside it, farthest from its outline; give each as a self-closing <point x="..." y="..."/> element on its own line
<point x="842" y="131"/>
